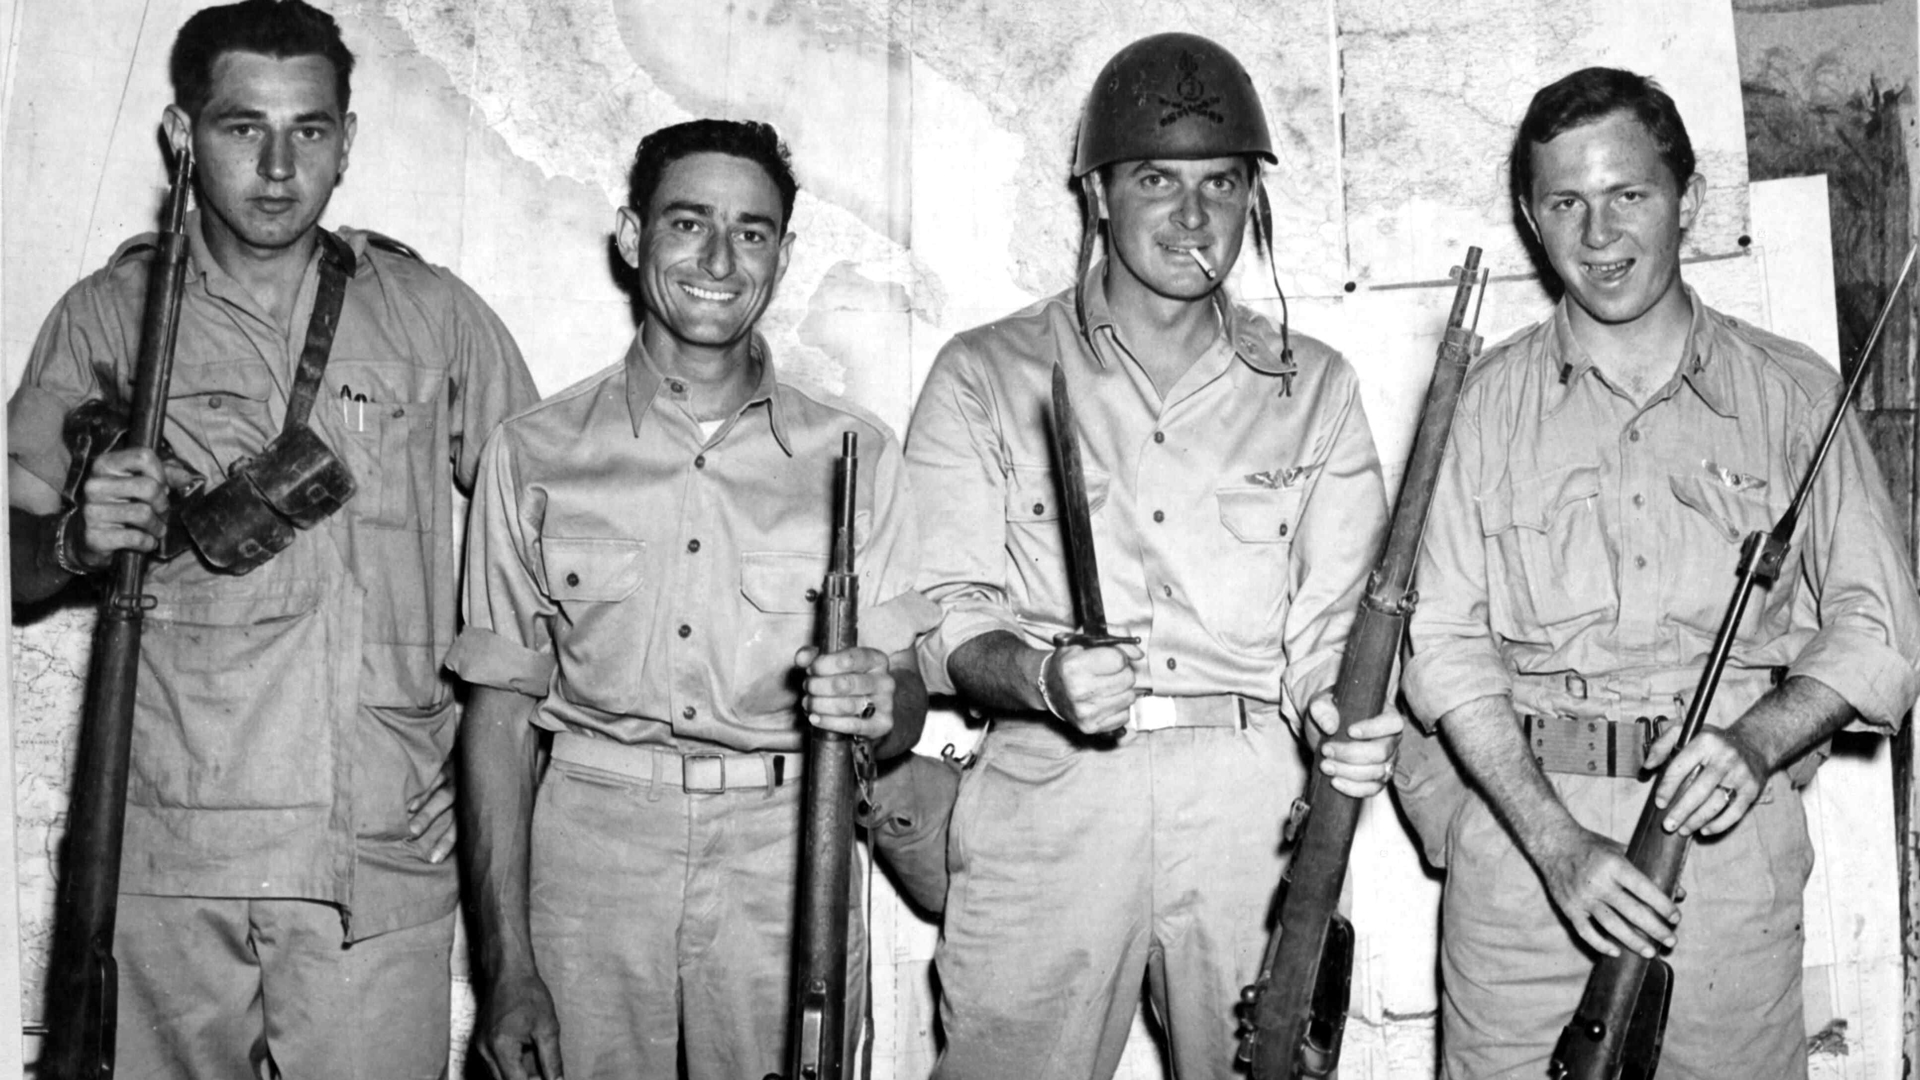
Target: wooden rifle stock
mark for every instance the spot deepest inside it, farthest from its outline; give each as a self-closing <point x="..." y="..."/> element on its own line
<point x="1616" y="1032"/>
<point x="1295" y="1012"/>
<point x="817" y="1031"/>
<point x="81" y="981"/>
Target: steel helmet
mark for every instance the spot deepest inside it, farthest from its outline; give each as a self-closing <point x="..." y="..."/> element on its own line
<point x="1171" y="96"/>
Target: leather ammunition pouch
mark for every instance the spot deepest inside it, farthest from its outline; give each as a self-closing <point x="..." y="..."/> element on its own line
<point x="907" y="823"/>
<point x="297" y="481"/>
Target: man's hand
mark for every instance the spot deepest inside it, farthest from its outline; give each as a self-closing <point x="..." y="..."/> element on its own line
<point x="850" y="691"/>
<point x="1091" y="689"/>
<point x="123" y="505"/>
<point x="1362" y="763"/>
<point x="1723" y="776"/>
<point x="1604" y="897"/>
<point x="517" y="1031"/>
<point x="430" y="816"/>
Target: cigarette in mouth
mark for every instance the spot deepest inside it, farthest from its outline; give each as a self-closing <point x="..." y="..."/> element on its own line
<point x="1205" y="266"/>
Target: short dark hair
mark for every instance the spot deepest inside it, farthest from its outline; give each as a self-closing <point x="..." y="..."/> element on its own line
<point x="282" y="29"/>
<point x="748" y="139"/>
<point x="1592" y="94"/>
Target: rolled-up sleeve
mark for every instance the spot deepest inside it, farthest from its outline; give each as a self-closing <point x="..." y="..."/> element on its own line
<point x="507" y="641"/>
<point x="889" y="562"/>
<point x="955" y="463"/>
<point x="1869" y="614"/>
<point x="1337" y="541"/>
<point x="1452" y="656"/>
<point x="82" y="339"/>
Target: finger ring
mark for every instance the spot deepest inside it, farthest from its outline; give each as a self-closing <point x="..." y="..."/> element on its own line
<point x="1728" y="788"/>
<point x="866" y="713"/>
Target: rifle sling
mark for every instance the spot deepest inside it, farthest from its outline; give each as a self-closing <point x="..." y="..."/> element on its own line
<point x="336" y="266"/>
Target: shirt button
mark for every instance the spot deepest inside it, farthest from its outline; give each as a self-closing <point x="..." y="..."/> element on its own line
<point x="813" y="596"/>
<point x="1640" y="562"/>
<point x="1172" y="663"/>
<point x="1159" y="516"/>
<point x="685" y="630"/>
<point x="700" y="462"/>
<point x="676" y="386"/>
<point x="1166" y="590"/>
<point x="1039" y="508"/>
<point x="693" y="545"/>
<point x="214" y="402"/>
<point x="1639" y="500"/>
<point x="1633" y="435"/>
<point x="1283" y="528"/>
<point x="689" y="712"/>
<point x="1159" y="436"/>
<point x="573" y="579"/>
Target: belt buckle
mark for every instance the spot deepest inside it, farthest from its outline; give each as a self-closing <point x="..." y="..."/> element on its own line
<point x="1151" y="713"/>
<point x="703" y="774"/>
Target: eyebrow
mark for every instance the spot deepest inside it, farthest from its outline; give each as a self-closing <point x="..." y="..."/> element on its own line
<point x="319" y="116"/>
<point x="706" y="210"/>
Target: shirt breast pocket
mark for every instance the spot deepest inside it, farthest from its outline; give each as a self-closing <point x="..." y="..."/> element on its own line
<point x="782" y="590"/>
<point x="1716" y="523"/>
<point x="1548" y="544"/>
<point x="601" y="637"/>
<point x="1244" y="600"/>
<point x="1037" y="540"/>
<point x="386" y="440"/>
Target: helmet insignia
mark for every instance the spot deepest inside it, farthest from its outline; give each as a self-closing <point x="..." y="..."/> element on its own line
<point x="1193" y="99"/>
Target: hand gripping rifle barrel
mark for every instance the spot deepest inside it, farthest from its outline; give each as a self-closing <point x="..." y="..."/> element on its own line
<point x="817" y="1031"/>
<point x="81" y="980"/>
<point x="1293" y="1016"/>
<point x="1616" y="1032"/>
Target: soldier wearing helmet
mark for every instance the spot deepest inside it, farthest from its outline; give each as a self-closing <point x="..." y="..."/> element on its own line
<point x="1122" y="822"/>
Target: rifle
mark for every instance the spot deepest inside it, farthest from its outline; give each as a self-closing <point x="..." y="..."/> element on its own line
<point x="818" y="1028"/>
<point x="1622" y="1019"/>
<point x="82" y="983"/>
<point x="1295" y="1012"/>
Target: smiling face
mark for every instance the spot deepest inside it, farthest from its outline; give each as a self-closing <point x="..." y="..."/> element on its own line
<point x="269" y="147"/>
<point x="711" y="249"/>
<point x="1611" y="214"/>
<point x="1160" y="212"/>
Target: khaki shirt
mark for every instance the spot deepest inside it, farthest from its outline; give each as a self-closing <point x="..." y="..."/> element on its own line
<point x="285" y="718"/>
<point x="1235" y="521"/>
<point x="651" y="584"/>
<point x="1573" y="531"/>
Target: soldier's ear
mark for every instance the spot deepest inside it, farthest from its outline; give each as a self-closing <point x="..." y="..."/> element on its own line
<point x="626" y="235"/>
<point x="178" y="128"/>
<point x="1099" y="188"/>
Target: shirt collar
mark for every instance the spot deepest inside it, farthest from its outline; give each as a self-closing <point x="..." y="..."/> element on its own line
<point x="1243" y="341"/>
<point x="645" y="380"/>
<point x="1705" y="368"/>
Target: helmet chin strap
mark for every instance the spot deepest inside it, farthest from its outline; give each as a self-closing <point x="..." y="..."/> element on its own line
<point x="1090" y="235"/>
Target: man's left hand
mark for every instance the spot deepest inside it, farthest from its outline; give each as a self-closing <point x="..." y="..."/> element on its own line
<point x="1362" y="762"/>
<point x="429" y="819"/>
<point x="1731" y="775"/>
<point x="850" y="691"/>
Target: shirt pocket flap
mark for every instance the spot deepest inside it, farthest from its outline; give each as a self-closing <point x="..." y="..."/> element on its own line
<point x="1534" y="502"/>
<point x="1260" y="515"/>
<point x="1733" y="514"/>
<point x="782" y="582"/>
<point x="1033" y="496"/>
<point x="592" y="569"/>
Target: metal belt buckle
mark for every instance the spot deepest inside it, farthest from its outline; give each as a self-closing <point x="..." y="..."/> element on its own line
<point x="703" y="774"/>
<point x="1152" y="713"/>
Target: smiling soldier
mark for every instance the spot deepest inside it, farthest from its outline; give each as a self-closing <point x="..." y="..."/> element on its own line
<point x="1604" y="468"/>
<point x="643" y="565"/>
<point x="1123" y="820"/>
<point x="287" y="903"/>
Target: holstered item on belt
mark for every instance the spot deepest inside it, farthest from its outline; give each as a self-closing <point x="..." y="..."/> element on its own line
<point x="297" y="481"/>
<point x="1591" y="747"/>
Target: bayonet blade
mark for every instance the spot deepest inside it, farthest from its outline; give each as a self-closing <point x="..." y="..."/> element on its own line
<point x="1083" y="567"/>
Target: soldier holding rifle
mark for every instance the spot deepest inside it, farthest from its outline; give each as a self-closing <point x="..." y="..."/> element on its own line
<point x="286" y="903"/>
<point x="1123" y="820"/>
<point x="1605" y="467"/>
<point x="645" y="561"/>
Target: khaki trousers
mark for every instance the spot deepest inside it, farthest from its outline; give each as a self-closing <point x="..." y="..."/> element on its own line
<point x="237" y="989"/>
<point x="663" y="926"/>
<point x="1078" y="868"/>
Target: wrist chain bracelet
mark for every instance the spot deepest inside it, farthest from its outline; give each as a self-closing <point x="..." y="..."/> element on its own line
<point x="1046" y="698"/>
<point x="63" y="554"/>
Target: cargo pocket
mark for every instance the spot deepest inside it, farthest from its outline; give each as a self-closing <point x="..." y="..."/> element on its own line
<point x="1552" y="553"/>
<point x="601" y="645"/>
<point x="215" y="729"/>
<point x="1243" y="598"/>
<point x="386" y="441"/>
